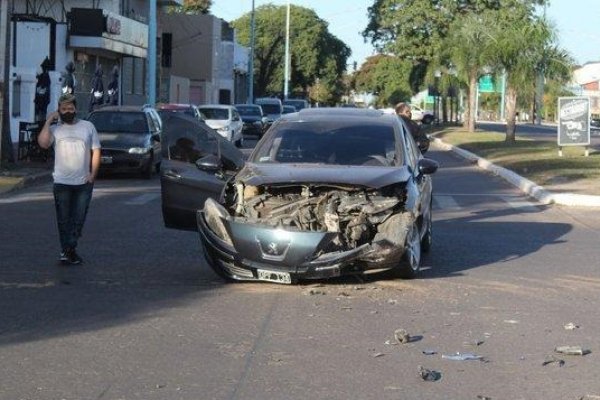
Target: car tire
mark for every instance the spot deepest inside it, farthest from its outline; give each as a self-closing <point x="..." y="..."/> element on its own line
<point x="411" y="259"/>
<point x="147" y="169"/>
<point x="239" y="142"/>
<point x="427" y="239"/>
<point x="428" y="119"/>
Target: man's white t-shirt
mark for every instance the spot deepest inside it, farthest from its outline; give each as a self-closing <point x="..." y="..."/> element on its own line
<point x="73" y="144"/>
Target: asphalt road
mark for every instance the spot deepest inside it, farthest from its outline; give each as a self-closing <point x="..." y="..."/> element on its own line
<point x="144" y="317"/>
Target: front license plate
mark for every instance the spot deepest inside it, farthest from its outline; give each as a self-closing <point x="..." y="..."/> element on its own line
<point x="273" y="276"/>
<point x="106" y="160"/>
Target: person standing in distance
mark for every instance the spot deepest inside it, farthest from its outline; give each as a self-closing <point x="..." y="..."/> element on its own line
<point x="76" y="163"/>
<point x="403" y="111"/>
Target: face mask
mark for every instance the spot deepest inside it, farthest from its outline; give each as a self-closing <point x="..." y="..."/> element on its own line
<point x="67" y="117"/>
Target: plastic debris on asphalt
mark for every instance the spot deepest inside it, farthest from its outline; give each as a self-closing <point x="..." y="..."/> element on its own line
<point x="572" y="350"/>
<point x="462" y="357"/>
<point x="571" y="326"/>
<point x="429" y="352"/>
<point x="474" y="343"/>
<point x="553" y="359"/>
<point x="402" y="336"/>
<point x="429" y="375"/>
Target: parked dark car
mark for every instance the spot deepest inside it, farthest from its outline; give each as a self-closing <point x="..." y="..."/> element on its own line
<point x="326" y="192"/>
<point x="253" y="118"/>
<point x="130" y="139"/>
<point x="189" y="109"/>
<point x="298" y="104"/>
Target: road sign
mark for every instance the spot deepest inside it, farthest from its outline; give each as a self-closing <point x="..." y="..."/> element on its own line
<point x="486" y="84"/>
<point x="573" y="121"/>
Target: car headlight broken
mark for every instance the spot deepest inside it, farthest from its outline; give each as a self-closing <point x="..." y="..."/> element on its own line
<point x="214" y="214"/>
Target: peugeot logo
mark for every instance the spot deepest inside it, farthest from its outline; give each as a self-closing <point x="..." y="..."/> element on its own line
<point x="273" y="250"/>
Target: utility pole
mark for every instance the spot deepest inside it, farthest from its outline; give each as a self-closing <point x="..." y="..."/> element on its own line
<point x="251" y="60"/>
<point x="151" y="98"/>
<point x="286" y="77"/>
<point x="6" y="151"/>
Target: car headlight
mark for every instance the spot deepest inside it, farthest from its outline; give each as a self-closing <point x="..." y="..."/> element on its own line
<point x="214" y="215"/>
<point x="139" y="150"/>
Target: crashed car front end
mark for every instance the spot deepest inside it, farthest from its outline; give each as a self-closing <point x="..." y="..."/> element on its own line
<point x="283" y="232"/>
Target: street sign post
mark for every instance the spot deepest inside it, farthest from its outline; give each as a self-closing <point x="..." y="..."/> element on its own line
<point x="573" y="122"/>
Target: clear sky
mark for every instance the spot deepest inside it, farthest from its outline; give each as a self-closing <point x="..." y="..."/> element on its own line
<point x="578" y="22"/>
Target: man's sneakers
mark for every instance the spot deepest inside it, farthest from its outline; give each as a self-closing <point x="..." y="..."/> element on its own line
<point x="70" y="257"/>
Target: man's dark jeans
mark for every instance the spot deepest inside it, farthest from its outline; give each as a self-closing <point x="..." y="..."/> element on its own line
<point x="72" y="202"/>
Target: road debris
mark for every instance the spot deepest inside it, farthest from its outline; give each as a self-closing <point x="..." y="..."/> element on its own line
<point x="511" y="321"/>
<point x="377" y="355"/>
<point x="402" y="336"/>
<point x="314" y="292"/>
<point x="572" y="350"/>
<point x="590" y="397"/>
<point x="392" y="301"/>
<point x="480" y="397"/>
<point x="428" y="374"/>
<point x="429" y="352"/>
<point x="571" y="326"/>
<point x="462" y="357"/>
<point x="552" y="359"/>
<point x="474" y="343"/>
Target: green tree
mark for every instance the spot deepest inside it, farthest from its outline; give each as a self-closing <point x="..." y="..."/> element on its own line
<point x="388" y="76"/>
<point x="314" y="51"/>
<point x="193" y="7"/>
<point x="525" y="49"/>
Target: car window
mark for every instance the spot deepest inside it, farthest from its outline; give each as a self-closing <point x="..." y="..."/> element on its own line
<point x="271" y="108"/>
<point x="236" y="116"/>
<point x="188" y="139"/>
<point x="117" y="121"/>
<point x="215" y="113"/>
<point x="329" y="142"/>
<point x="412" y="151"/>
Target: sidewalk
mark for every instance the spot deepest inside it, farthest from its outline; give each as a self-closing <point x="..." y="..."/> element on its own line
<point x="24" y="173"/>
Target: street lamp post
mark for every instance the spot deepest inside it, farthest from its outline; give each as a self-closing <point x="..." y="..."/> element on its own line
<point x="287" y="53"/>
<point x="251" y="60"/>
<point x="151" y="99"/>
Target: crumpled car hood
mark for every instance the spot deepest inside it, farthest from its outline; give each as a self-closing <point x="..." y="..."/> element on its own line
<point x="293" y="174"/>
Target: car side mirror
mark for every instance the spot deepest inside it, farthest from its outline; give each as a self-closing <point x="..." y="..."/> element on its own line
<point x="427" y="166"/>
<point x="210" y="163"/>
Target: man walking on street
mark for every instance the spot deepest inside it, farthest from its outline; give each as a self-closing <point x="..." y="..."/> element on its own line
<point x="76" y="163"/>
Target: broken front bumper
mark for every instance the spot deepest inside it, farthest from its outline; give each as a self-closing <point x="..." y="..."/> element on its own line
<point x="249" y="251"/>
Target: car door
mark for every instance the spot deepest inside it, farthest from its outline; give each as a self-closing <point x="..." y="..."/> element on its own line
<point x="185" y="187"/>
<point x="422" y="182"/>
<point x="154" y="135"/>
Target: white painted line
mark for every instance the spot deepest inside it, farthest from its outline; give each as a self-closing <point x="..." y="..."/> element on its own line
<point x="142" y="199"/>
<point x="521" y="205"/>
<point x="445" y="202"/>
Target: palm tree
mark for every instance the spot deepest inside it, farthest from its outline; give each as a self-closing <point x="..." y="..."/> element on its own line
<point x="468" y="46"/>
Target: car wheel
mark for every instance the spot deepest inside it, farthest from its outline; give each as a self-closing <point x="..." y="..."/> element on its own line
<point x="239" y="142"/>
<point x="147" y="169"/>
<point x="427" y="240"/>
<point x="427" y="119"/>
<point x="411" y="260"/>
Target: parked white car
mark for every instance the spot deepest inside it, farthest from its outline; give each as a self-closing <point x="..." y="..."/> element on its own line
<point x="225" y="120"/>
<point x="418" y="114"/>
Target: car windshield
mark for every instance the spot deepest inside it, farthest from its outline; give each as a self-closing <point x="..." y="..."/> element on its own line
<point x="297" y="104"/>
<point x="126" y="122"/>
<point x="329" y="142"/>
<point x="215" y="113"/>
<point x="248" y="110"/>
<point x="271" y="108"/>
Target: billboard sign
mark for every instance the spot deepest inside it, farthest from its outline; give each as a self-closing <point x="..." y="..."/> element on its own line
<point x="573" y="121"/>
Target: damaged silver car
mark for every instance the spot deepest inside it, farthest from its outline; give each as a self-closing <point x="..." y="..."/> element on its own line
<point x="326" y="192"/>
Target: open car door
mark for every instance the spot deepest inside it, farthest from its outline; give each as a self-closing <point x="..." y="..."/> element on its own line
<point x="185" y="180"/>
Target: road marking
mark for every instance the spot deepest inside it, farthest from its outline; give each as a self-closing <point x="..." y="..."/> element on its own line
<point x="142" y="199"/>
<point x="21" y="198"/>
<point x="521" y="205"/>
<point x="445" y="202"/>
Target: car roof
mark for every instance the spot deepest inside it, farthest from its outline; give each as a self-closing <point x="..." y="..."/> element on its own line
<point x="339" y="113"/>
<point x="223" y="106"/>
<point x="174" y="106"/>
<point x="247" y="105"/>
<point x="120" y="109"/>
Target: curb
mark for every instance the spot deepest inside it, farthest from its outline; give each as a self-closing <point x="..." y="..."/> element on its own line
<point x="28" y="180"/>
<point x="525" y="185"/>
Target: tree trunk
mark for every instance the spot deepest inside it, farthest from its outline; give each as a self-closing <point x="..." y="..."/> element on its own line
<point x="471" y="117"/>
<point x="511" y="113"/>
